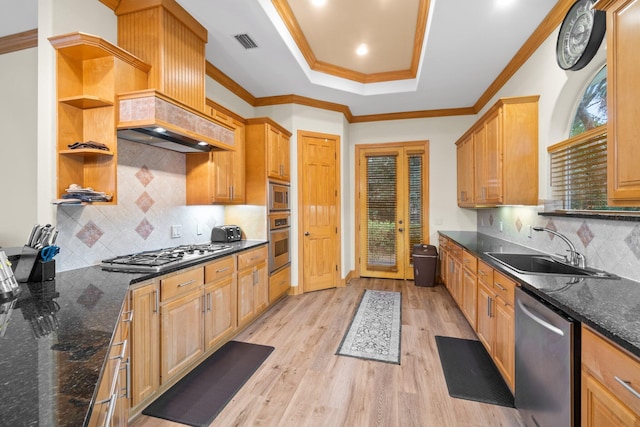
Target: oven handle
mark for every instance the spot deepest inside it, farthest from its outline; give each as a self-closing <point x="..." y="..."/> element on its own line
<point x="540" y="321"/>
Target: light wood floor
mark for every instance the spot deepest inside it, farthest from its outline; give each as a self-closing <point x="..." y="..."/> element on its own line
<point x="303" y="382"/>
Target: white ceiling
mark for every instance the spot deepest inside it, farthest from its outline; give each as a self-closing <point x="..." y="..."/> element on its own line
<point x="467" y="44"/>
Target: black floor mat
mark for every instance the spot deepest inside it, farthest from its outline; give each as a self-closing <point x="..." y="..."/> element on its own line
<point x="201" y="395"/>
<point x="470" y="373"/>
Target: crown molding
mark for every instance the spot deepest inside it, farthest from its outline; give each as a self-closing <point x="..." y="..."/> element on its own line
<point x="19" y="41"/>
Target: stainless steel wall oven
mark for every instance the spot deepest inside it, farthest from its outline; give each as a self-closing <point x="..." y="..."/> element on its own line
<point x="279" y="244"/>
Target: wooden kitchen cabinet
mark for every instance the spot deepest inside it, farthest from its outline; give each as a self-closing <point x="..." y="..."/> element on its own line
<point x="220" y="294"/>
<point x="466" y="171"/>
<point x="253" y="284"/>
<point x="469" y="287"/>
<point x="496" y="320"/>
<point x="484" y="326"/>
<point x="610" y="383"/>
<point x="90" y="72"/>
<point x="443" y="243"/>
<point x="623" y="81"/>
<point x="268" y="143"/>
<point x="218" y="177"/>
<point x="279" y="283"/>
<point x="504" y="165"/>
<point x="113" y="389"/>
<point x="145" y="339"/>
<point x="182" y="326"/>
<point x="454" y="272"/>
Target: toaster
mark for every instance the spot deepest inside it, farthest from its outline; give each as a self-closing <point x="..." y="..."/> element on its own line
<point x="226" y="233"/>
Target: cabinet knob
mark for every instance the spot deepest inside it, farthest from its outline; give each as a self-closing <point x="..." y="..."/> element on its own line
<point x="306" y="233"/>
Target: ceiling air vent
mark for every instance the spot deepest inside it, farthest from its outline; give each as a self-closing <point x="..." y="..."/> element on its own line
<point x="246" y="41"/>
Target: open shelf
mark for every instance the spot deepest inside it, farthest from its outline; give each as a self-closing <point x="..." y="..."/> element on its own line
<point x="86" y="101"/>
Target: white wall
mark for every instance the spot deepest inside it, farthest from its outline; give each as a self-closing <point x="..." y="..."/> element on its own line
<point x="18" y="170"/>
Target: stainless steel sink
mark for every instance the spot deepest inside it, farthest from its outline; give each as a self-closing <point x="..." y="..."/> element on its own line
<point x="545" y="265"/>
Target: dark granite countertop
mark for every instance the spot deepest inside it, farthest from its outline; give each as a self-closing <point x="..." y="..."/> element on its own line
<point x="610" y="306"/>
<point x="54" y="344"/>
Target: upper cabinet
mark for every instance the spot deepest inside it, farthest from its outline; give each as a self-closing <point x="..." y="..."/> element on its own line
<point x="623" y="81"/>
<point x="498" y="156"/>
<point x="218" y="177"/>
<point x="268" y="143"/>
<point x="90" y="72"/>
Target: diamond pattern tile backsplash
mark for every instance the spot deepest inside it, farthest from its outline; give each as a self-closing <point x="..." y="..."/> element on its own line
<point x="151" y="198"/>
<point x="613" y="246"/>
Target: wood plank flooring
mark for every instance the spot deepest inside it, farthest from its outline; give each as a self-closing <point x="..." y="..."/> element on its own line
<point x="303" y="382"/>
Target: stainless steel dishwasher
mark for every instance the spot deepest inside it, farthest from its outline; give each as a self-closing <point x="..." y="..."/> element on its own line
<point x="547" y="364"/>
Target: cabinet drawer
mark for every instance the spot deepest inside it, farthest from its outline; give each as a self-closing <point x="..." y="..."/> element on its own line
<point x="181" y="283"/>
<point x="279" y="283"/>
<point x="455" y="251"/>
<point x="219" y="269"/>
<point x="252" y="257"/>
<point x="443" y="242"/>
<point x="606" y="362"/>
<point x="504" y="287"/>
<point x="485" y="273"/>
<point x="469" y="262"/>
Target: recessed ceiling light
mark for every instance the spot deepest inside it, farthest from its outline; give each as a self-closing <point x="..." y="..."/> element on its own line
<point x="160" y="130"/>
<point x="504" y="3"/>
<point x="362" y="50"/>
<point x="202" y="143"/>
<point x="318" y="3"/>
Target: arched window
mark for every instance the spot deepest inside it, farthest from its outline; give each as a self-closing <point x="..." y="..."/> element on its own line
<point x="591" y="112"/>
<point x="579" y="164"/>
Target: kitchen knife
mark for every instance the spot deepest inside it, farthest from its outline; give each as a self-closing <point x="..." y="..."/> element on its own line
<point x="32" y="235"/>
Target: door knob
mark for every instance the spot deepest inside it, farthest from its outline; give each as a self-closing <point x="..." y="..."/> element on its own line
<point x="401" y="229"/>
<point x="306" y="233"/>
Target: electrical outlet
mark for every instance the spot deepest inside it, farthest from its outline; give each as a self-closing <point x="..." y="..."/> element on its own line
<point x="176" y="231"/>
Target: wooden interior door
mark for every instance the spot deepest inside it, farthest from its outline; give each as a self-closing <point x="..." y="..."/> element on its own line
<point x="392" y="207"/>
<point x="319" y="211"/>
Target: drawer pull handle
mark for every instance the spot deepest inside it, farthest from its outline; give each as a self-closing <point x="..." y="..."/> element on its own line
<point x="128" y="319"/>
<point x="188" y="282"/>
<point x="223" y="270"/>
<point x="627" y="385"/>
<point x="503" y="289"/>
<point x="482" y="273"/>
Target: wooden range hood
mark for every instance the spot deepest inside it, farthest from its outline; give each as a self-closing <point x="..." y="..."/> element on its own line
<point x="167" y="37"/>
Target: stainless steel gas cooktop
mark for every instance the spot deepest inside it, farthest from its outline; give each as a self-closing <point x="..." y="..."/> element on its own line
<point x="160" y="260"/>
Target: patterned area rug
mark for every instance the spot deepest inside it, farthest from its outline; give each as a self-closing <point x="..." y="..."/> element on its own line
<point x="375" y="329"/>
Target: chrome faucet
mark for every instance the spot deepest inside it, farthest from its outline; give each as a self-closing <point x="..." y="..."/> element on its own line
<point x="575" y="258"/>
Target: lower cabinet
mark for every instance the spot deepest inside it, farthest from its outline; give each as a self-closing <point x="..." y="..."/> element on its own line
<point x="184" y="316"/>
<point x="279" y="284"/>
<point x="496" y="320"/>
<point x="610" y="383"/>
<point x="145" y="338"/>
<point x="253" y="284"/>
<point x="112" y="401"/>
<point x="182" y="334"/>
<point x="469" y="288"/>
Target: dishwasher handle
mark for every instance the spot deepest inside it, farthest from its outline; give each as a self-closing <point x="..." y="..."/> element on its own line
<point x="540" y="321"/>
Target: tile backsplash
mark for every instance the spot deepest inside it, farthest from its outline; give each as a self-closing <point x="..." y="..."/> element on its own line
<point x="151" y="199"/>
<point x="609" y="245"/>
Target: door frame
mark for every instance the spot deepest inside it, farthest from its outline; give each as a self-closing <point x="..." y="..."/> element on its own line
<point x="358" y="188"/>
<point x="338" y="275"/>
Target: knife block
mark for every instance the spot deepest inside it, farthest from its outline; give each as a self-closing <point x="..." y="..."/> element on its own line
<point x="43" y="271"/>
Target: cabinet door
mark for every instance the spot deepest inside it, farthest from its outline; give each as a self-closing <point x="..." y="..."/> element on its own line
<point x="485" y="325"/>
<point x="454" y="276"/>
<point x="245" y="296"/>
<point x="283" y="148"/>
<point x="600" y="407"/>
<point x="504" y="344"/>
<point x="260" y="287"/>
<point x="493" y="160"/>
<point x="469" y="296"/>
<point x="279" y="283"/>
<point x="145" y="336"/>
<point x="623" y="36"/>
<point x="466" y="172"/>
<point x="480" y="164"/>
<point x="182" y="333"/>
<point x="219" y="319"/>
<point x="274" y="162"/>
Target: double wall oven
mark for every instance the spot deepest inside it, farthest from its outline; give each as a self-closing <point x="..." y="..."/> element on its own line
<point x="279" y="227"/>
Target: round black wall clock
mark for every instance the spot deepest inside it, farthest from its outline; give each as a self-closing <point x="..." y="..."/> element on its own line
<point x="580" y="35"/>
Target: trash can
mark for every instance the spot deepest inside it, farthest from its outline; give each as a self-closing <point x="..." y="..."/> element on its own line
<point x="425" y="260"/>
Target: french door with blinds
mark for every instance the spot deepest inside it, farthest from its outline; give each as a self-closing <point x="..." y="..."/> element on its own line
<point x="392" y="207"/>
